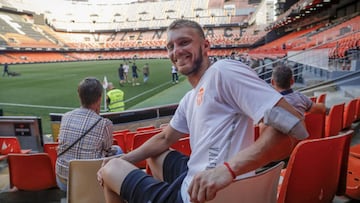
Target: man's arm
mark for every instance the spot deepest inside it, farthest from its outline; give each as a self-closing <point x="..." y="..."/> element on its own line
<point x="272" y="145"/>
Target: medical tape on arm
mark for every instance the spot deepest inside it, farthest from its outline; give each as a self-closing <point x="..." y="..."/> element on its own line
<point x="285" y="122"/>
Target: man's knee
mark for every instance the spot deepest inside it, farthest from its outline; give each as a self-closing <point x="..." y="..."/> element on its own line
<point x="156" y="164"/>
<point x="115" y="171"/>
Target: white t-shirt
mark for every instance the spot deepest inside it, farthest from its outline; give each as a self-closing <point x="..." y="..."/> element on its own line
<point x="173" y="69"/>
<point x="126" y="68"/>
<point x="219" y="114"/>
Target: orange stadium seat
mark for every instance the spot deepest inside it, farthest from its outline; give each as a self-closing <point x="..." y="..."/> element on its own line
<point x="315" y="171"/>
<point x="183" y="146"/>
<point x="144" y="128"/>
<point x="139" y="139"/>
<point x="121" y="131"/>
<point x="315" y="125"/>
<point x="10" y="145"/>
<point x="357" y="116"/>
<point x="313" y="98"/>
<point x="353" y="177"/>
<point x="31" y="172"/>
<point x="120" y="140"/>
<point x="51" y="149"/>
<point x="334" y="120"/>
<point x="129" y="137"/>
<point x="321" y="98"/>
<point x="349" y="113"/>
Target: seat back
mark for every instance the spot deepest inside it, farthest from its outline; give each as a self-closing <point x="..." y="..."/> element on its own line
<point x="144" y="128"/>
<point x="355" y="151"/>
<point x="334" y="120"/>
<point x="9" y="145"/>
<point x="51" y="149"/>
<point x="139" y="139"/>
<point x="259" y="188"/>
<point x="316" y="169"/>
<point x="31" y="172"/>
<point x="121" y="131"/>
<point x="353" y="177"/>
<point x="349" y="113"/>
<point x="120" y="141"/>
<point x="315" y="125"/>
<point x="357" y="115"/>
<point x="183" y="146"/>
<point x="321" y="98"/>
<point x="129" y="139"/>
<point x="82" y="186"/>
<point x="313" y="98"/>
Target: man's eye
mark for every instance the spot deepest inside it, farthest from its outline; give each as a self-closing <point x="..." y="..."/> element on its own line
<point x="184" y="43"/>
<point x="170" y="47"/>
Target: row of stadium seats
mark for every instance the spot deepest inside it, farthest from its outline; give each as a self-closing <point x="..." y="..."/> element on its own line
<point x="346" y="32"/>
<point x="339" y="118"/>
<point x="39" y="57"/>
<point x="40" y="175"/>
<point x="33" y="172"/>
<point x="328" y="33"/>
<point x="339" y="48"/>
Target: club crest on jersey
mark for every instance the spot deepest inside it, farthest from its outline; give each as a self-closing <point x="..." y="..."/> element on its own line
<point x="200" y="96"/>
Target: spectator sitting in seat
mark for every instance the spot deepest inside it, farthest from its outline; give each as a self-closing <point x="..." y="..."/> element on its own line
<point x="84" y="134"/>
<point x="282" y="80"/>
<point x="218" y="114"/>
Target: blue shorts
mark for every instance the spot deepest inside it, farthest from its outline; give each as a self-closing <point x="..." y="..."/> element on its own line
<point x="140" y="187"/>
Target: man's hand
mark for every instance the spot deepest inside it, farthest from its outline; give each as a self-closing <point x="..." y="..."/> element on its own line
<point x="105" y="161"/>
<point x="206" y="183"/>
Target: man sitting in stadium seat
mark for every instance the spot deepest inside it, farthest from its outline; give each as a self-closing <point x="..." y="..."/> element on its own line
<point x="84" y="134"/>
<point x="282" y="79"/>
<point x="218" y="114"/>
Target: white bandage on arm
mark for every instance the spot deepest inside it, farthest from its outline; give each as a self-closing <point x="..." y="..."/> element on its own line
<point x="285" y="122"/>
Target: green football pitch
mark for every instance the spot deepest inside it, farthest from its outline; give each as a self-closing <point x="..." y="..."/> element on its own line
<point x="47" y="88"/>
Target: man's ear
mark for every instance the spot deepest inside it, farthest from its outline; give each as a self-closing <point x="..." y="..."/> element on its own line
<point x="207" y="44"/>
<point x="272" y="82"/>
<point x="292" y="81"/>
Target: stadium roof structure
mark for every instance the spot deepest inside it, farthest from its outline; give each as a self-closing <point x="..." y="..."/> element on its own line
<point x="115" y="15"/>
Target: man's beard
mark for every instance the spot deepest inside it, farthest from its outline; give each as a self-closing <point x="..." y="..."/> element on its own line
<point x="197" y="64"/>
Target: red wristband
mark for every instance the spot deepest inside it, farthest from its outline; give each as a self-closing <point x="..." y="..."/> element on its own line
<point x="230" y="170"/>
